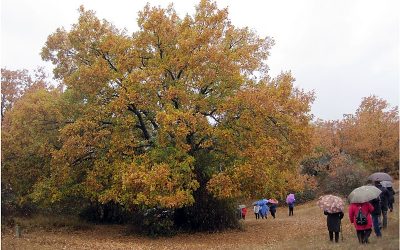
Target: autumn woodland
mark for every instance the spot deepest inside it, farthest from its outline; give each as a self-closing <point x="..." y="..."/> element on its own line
<point x="168" y="129"/>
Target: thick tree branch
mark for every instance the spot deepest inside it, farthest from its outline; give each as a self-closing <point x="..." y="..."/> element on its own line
<point x="151" y="119"/>
<point x="142" y="124"/>
<point x="206" y="89"/>
<point x="108" y="60"/>
<point x="171" y="74"/>
<point x="86" y="156"/>
<point x="181" y="71"/>
<point x="175" y="101"/>
<point x="273" y="120"/>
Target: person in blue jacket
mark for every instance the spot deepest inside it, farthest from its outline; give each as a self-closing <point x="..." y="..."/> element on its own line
<point x="264" y="209"/>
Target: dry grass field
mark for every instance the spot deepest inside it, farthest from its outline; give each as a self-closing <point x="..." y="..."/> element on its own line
<point x="305" y="230"/>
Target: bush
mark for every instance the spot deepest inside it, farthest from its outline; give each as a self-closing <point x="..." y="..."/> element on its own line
<point x="344" y="179"/>
<point x="207" y="214"/>
<point x="308" y="194"/>
<point x="105" y="213"/>
<point x="12" y="206"/>
<point x="154" y="222"/>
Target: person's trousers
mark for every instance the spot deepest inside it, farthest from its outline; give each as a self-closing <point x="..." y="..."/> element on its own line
<point x="257" y="216"/>
<point x="331" y="236"/>
<point x="375" y="223"/>
<point x="273" y="214"/>
<point x="363" y="235"/>
<point x="290" y="211"/>
<point x="384" y="218"/>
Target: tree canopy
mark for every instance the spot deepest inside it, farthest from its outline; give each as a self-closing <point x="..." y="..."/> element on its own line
<point x="153" y="102"/>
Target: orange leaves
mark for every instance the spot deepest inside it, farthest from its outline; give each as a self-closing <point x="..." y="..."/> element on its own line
<point x="370" y="135"/>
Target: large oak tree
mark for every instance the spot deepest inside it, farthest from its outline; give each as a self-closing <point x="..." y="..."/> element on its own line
<point x="180" y="110"/>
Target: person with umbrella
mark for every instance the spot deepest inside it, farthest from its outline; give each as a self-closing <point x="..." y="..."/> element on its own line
<point x="290" y="200"/>
<point x="333" y="207"/>
<point x="388" y="185"/>
<point x="263" y="208"/>
<point x="384" y="200"/>
<point x="384" y="196"/>
<point x="256" y="210"/>
<point x="360" y="210"/>
<point x="272" y="206"/>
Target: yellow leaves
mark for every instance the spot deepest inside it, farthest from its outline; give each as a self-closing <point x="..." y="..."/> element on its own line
<point x="29" y="136"/>
<point x="158" y="184"/>
<point x="176" y="125"/>
<point x="222" y="186"/>
<point x="267" y="124"/>
<point x="187" y="84"/>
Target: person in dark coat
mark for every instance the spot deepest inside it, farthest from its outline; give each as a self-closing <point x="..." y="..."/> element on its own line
<point x="384" y="197"/>
<point x="391" y="198"/>
<point x="333" y="221"/>
<point x="291" y="207"/>
<point x="376" y="214"/>
<point x="272" y="209"/>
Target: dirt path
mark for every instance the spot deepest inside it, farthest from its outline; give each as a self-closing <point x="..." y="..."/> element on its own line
<point x="305" y="230"/>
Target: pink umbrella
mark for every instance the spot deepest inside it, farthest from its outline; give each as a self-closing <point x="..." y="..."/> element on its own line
<point x="273" y="201"/>
<point x="331" y="203"/>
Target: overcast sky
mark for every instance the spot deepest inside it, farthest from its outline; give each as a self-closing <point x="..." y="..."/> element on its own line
<point x="342" y="49"/>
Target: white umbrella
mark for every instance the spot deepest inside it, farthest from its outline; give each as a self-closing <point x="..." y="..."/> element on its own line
<point x="363" y="194"/>
<point x="386" y="184"/>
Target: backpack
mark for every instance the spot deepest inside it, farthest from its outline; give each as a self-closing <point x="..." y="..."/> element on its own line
<point x="360" y="218"/>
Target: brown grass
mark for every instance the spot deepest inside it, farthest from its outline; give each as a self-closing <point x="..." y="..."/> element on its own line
<point x="305" y="230"/>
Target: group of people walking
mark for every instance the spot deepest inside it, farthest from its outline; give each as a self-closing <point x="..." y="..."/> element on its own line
<point x="364" y="216"/>
<point x="373" y="211"/>
<point x="263" y="207"/>
<point x="262" y="211"/>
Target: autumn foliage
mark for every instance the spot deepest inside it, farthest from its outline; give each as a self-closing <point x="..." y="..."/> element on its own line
<point x="179" y="116"/>
<point x="346" y="150"/>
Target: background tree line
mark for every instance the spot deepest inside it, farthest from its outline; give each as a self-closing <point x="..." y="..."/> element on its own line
<point x="346" y="151"/>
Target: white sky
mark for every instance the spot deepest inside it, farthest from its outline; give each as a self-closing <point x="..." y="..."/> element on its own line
<point x="342" y="49"/>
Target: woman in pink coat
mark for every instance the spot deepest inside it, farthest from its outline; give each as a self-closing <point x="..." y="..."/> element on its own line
<point x="363" y="231"/>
